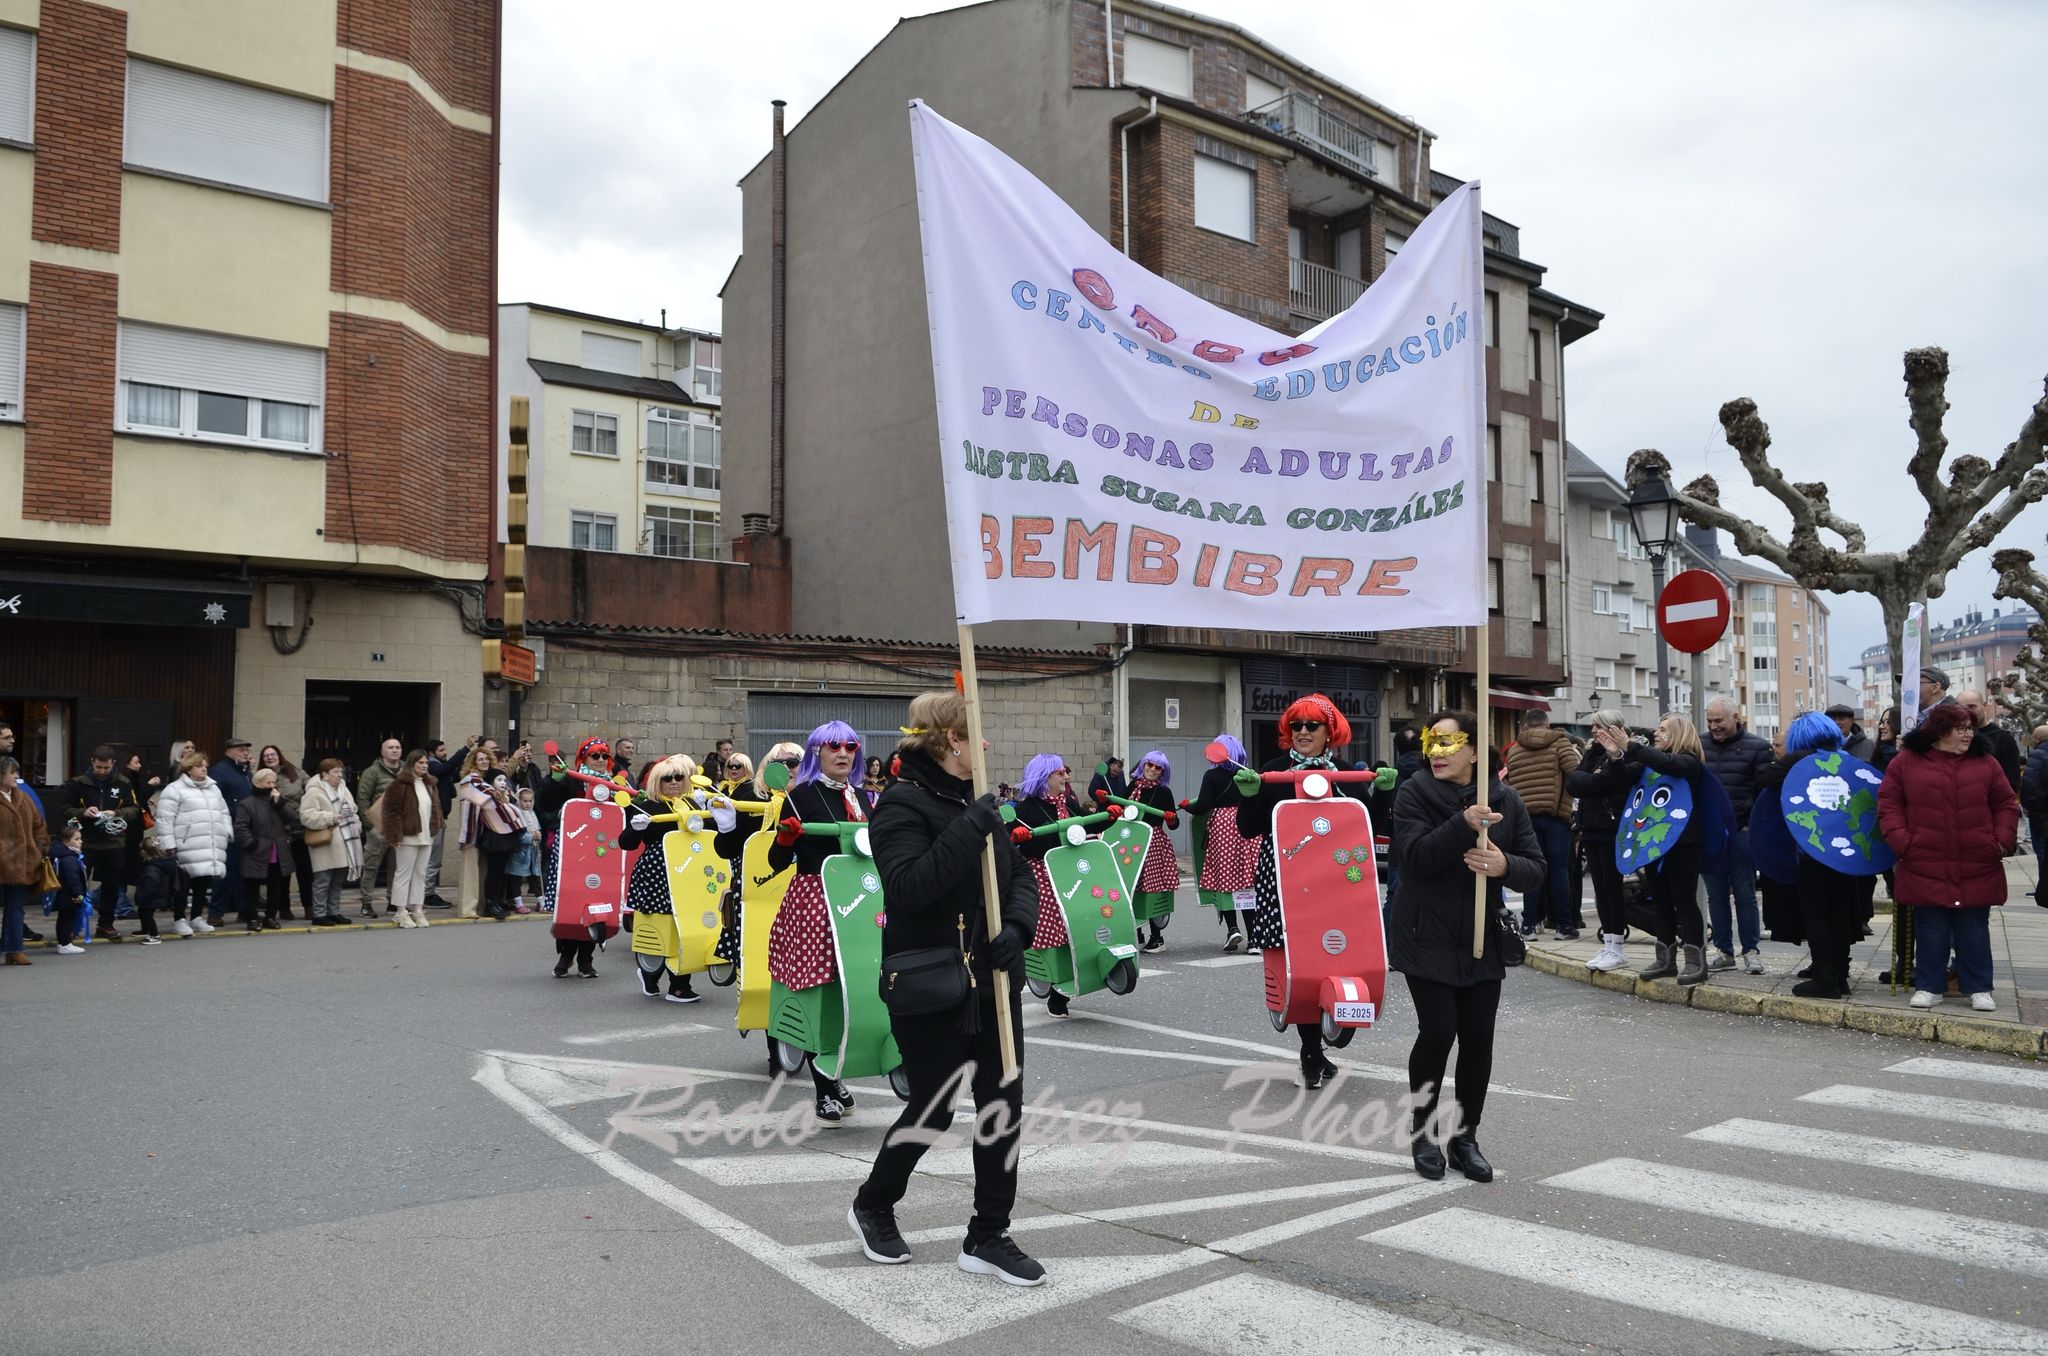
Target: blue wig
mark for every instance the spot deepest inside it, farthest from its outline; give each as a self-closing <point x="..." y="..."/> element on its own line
<point x="807" y="770"/>
<point x="1165" y="768"/>
<point x="1233" y="746"/>
<point x="1037" y="773"/>
<point x="1813" y="731"/>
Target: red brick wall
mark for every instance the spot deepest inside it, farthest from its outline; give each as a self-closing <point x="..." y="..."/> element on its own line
<point x="409" y="430"/>
<point x="81" y="92"/>
<point x="1247" y="277"/>
<point x="411" y="203"/>
<point x="68" y="472"/>
<point x="437" y="38"/>
<point x="611" y="588"/>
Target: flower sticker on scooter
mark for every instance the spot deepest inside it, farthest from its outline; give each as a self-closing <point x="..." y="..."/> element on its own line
<point x="1343" y="855"/>
<point x="1095" y="893"/>
<point x="1353" y="874"/>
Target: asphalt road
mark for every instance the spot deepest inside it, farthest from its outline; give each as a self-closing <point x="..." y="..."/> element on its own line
<point x="414" y="1142"/>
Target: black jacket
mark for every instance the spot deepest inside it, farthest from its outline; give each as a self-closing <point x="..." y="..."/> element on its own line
<point x="1858" y="743"/>
<point x="1738" y="764"/>
<point x="1217" y="792"/>
<point x="2034" y="782"/>
<point x="2006" y="749"/>
<point x="1601" y="785"/>
<point x="651" y="836"/>
<point x="1688" y="769"/>
<point x="261" y="827"/>
<point x="1255" y="815"/>
<point x="813" y="803"/>
<point x="927" y="833"/>
<point x="156" y="884"/>
<point x="1116" y="783"/>
<point x="114" y="796"/>
<point x="1035" y="813"/>
<point x="1429" y="922"/>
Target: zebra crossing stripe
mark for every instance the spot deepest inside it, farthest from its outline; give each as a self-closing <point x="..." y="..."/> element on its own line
<point x="1251" y="1313"/>
<point x="1774" y="1308"/>
<point x="1816" y="1214"/>
<point x="1948" y="1110"/>
<point x="1998" y="1171"/>
<point x="1963" y="1070"/>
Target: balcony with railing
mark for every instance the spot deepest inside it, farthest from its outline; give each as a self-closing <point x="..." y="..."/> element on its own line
<point x="1316" y="292"/>
<point x="1300" y="118"/>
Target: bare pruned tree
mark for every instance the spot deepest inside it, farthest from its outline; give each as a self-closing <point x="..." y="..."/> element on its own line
<point x="2023" y="689"/>
<point x="1967" y="508"/>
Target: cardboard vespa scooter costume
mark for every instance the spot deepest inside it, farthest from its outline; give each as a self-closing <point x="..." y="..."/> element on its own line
<point x="678" y="887"/>
<point x="761" y="888"/>
<point x="586" y="883"/>
<point x="1091" y="943"/>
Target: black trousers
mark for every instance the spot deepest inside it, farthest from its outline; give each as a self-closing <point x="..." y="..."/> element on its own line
<point x="1675" y="890"/>
<point x="934" y="1049"/>
<point x="302" y="871"/>
<point x="1831" y="911"/>
<point x="568" y="948"/>
<point x="193" y="896"/>
<point x="1607" y="900"/>
<point x="277" y="893"/>
<point x="1448" y="1014"/>
<point x="108" y="869"/>
<point x="495" y="892"/>
<point x="69" y="913"/>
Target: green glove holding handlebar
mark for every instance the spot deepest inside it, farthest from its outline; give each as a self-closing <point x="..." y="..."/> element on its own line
<point x="1247" y="782"/>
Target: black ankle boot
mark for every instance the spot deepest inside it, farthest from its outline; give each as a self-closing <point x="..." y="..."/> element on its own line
<point x="1463" y="1153"/>
<point x="1429" y="1158"/>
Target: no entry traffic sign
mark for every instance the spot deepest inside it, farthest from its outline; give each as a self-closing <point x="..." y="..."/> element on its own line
<point x="1693" y="610"/>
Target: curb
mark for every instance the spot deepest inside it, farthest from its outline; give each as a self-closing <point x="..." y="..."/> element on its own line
<point x="1964" y="1033"/>
<point x="298" y="928"/>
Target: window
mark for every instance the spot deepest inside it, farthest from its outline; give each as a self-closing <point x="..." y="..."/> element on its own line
<point x="683" y="455"/>
<point x="13" y="325"/>
<point x="1795" y="597"/>
<point x="1493" y="587"/>
<point x="1223" y="197"/>
<point x="595" y="435"/>
<point x="1535" y="356"/>
<point x="1603" y="600"/>
<point x="1492" y="319"/>
<point x="1257" y="92"/>
<point x="17" y="85"/>
<point x="1386" y="160"/>
<point x="610" y="353"/>
<point x="1535" y="476"/>
<point x="1763" y="663"/>
<point x="1541" y="616"/>
<point x="1603" y="673"/>
<point x="1492" y="454"/>
<point x="194" y="125"/>
<point x="1795" y="630"/>
<point x="593" y="531"/>
<point x="1639" y="613"/>
<point x="1795" y="666"/>
<point x="1625" y="538"/>
<point x="682" y="533"/>
<point x="1394" y="241"/>
<point x="218" y="387"/>
<point x="1155" y="65"/>
<point x="1350" y="252"/>
<point x="710" y="369"/>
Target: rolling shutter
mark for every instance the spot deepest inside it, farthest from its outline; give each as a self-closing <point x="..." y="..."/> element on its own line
<point x="12" y="320"/>
<point x="609" y="353"/>
<point x="217" y="130"/>
<point x="222" y="363"/>
<point x="1162" y="66"/>
<point x="17" y="85"/>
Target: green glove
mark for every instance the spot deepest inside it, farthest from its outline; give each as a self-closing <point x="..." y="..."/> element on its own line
<point x="1384" y="779"/>
<point x="1247" y="782"/>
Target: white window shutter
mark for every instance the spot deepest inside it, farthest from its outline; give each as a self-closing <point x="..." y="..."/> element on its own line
<point x="222" y="363"/>
<point x="184" y="123"/>
<point x="1258" y="93"/>
<point x="17" y="85"/>
<point x="13" y="321"/>
<point x="609" y="353"/>
<point x="1152" y="64"/>
<point x="1223" y="197"/>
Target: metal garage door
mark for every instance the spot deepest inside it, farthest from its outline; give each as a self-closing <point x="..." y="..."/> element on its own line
<point x="775" y="716"/>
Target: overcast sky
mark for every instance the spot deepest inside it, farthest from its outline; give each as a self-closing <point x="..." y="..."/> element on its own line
<point x="1766" y="200"/>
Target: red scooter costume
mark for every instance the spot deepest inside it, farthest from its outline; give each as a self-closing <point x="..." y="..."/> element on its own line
<point x="585" y="877"/>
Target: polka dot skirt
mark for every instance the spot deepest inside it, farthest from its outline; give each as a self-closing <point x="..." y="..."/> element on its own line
<point x="1264" y="927"/>
<point x="1160" y="872"/>
<point x="647" y="892"/>
<point x="1052" y="920"/>
<point x="800" y="954"/>
<point x="1231" y="858"/>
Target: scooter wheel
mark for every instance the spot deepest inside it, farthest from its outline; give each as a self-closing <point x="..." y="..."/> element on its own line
<point x="1039" y="988"/>
<point x="721" y="973"/>
<point x="1342" y="1038"/>
<point x="1279" y="1019"/>
<point x="1330" y="1029"/>
<point x="1122" y="977"/>
<point x="788" y="1058"/>
<point x="899" y="1083"/>
<point x="651" y="965"/>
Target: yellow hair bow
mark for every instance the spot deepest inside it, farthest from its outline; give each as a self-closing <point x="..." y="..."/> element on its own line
<point x="913" y="729"/>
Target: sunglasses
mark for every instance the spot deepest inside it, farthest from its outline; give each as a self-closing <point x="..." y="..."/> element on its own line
<point x="790" y="762"/>
<point x="1059" y="772"/>
<point x="673" y="777"/>
<point x="840" y="746"/>
<point x="1304" y="726"/>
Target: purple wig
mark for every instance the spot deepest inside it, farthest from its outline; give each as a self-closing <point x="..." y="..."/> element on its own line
<point x="1233" y="746"/>
<point x="807" y="771"/>
<point x="1037" y="773"/>
<point x="1166" y="768"/>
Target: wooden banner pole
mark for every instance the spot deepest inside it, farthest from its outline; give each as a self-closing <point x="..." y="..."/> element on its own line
<point x="991" y="896"/>
<point x="1481" y="776"/>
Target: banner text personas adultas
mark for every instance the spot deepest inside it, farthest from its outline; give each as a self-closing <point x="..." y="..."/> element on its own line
<point x="1119" y="450"/>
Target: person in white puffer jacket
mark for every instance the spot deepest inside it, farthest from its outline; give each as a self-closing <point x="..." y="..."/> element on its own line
<point x="193" y="826"/>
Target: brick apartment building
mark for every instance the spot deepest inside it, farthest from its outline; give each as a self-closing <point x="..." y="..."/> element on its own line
<point x="1253" y="180"/>
<point x="247" y="252"/>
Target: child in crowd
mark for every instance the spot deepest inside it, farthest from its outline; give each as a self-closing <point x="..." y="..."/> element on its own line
<point x="66" y="854"/>
<point x="524" y="869"/>
<point x="156" y="887"/>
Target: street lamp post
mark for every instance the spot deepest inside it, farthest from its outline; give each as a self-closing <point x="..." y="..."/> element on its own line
<point x="1653" y="513"/>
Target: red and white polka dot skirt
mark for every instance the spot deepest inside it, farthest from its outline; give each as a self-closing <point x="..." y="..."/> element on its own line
<point x="1052" y="919"/>
<point x="800" y="954"/>
<point x="1230" y="858"/>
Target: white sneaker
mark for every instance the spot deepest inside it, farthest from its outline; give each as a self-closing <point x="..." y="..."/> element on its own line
<point x="1983" y="1002"/>
<point x="201" y="925"/>
<point x="1752" y="963"/>
<point x="150" y="941"/>
<point x="1610" y="955"/>
<point x="67" y="949"/>
<point x="1721" y="961"/>
<point x="182" y="928"/>
<point x="1923" y="999"/>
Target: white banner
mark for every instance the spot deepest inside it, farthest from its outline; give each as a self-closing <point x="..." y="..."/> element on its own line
<point x="1119" y="450"/>
<point x="1909" y="668"/>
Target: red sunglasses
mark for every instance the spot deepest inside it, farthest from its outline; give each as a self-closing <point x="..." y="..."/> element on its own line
<point x="838" y="746"/>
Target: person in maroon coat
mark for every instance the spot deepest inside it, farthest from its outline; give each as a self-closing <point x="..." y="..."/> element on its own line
<point x="1949" y="813"/>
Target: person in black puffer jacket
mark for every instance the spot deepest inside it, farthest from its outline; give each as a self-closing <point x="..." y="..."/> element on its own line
<point x="928" y="832"/>
<point x="1601" y="783"/>
<point x="1429" y="926"/>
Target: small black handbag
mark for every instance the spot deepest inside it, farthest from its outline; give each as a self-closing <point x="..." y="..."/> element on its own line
<point x="1513" y="950"/>
<point x="927" y="980"/>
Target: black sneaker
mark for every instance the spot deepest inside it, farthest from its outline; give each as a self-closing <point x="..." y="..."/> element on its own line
<point x="844" y="1094"/>
<point x="830" y="1109"/>
<point x="1312" y="1075"/>
<point x="1325" y="1068"/>
<point x="878" y="1235"/>
<point x="436" y="902"/>
<point x="1156" y="944"/>
<point x="1001" y="1258"/>
<point x="585" y="972"/>
<point x="1056" y="1003"/>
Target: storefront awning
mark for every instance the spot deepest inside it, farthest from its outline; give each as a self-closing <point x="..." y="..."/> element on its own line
<point x="115" y="600"/>
<point x="1503" y="699"/>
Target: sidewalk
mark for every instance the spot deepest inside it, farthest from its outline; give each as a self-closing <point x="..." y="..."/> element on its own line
<point x="2019" y="955"/>
<point x="285" y="928"/>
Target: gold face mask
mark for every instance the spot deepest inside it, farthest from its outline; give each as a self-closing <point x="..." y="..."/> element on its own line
<point x="1436" y="745"/>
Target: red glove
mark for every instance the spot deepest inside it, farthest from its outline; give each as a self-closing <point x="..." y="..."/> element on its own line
<point x="1172" y="820"/>
<point x="1020" y="833"/>
<point x="788" y="831"/>
<point x="1101" y="796"/>
<point x="1185" y="805"/>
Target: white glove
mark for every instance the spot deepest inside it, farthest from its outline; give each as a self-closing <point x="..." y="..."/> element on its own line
<point x="723" y="814"/>
<point x="699" y="799"/>
<point x="640" y="822"/>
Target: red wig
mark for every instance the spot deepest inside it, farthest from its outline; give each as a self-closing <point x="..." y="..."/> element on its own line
<point x="1315" y="706"/>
